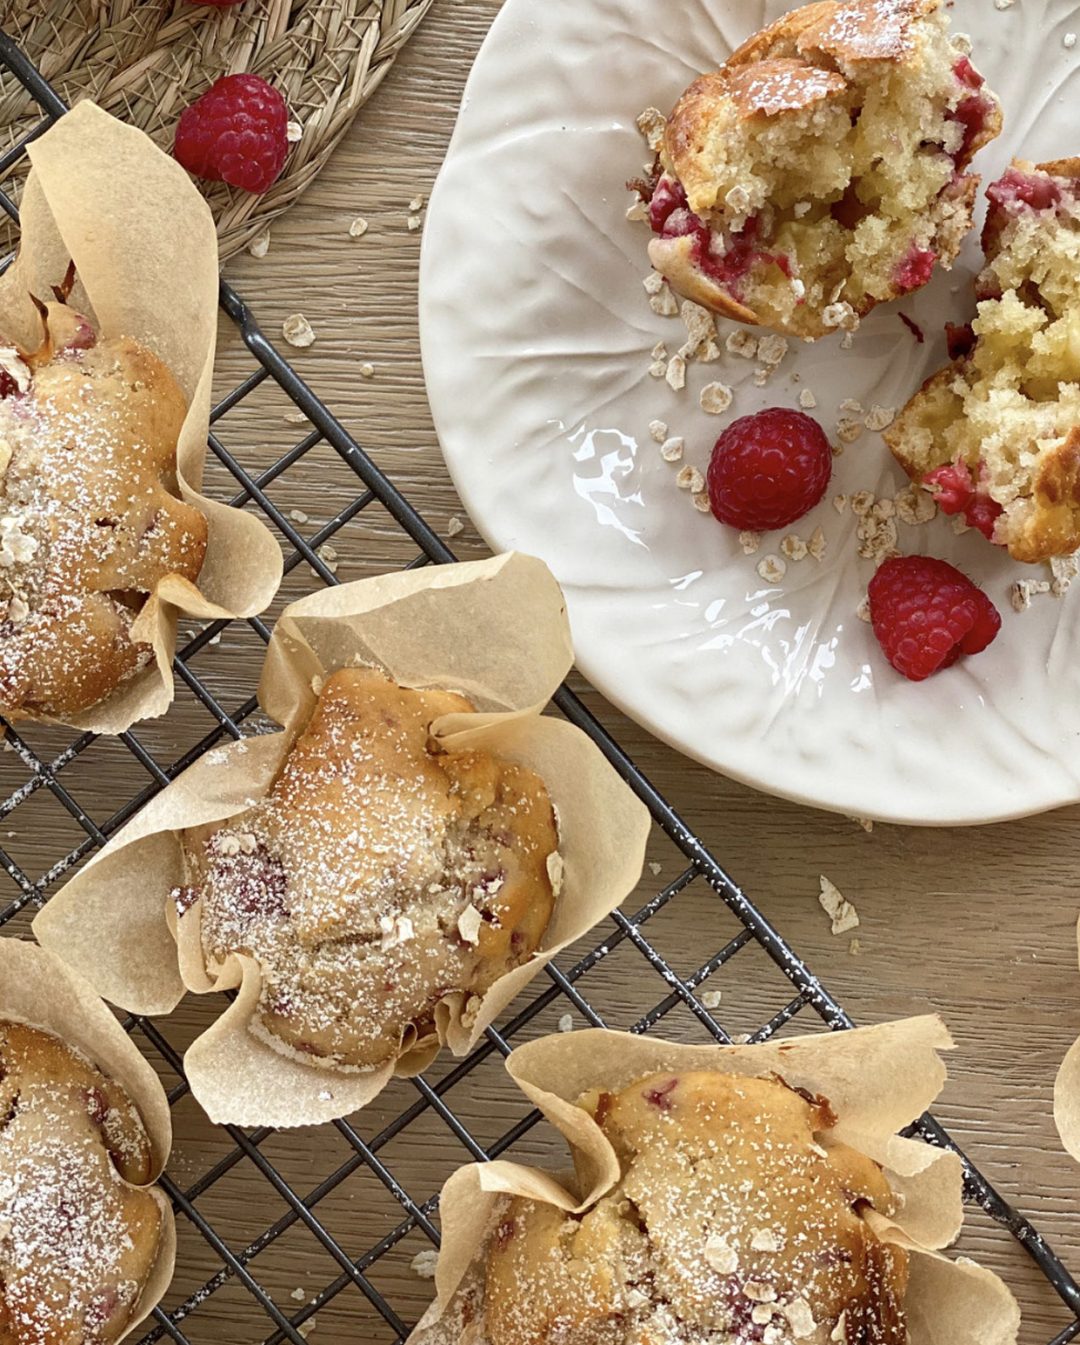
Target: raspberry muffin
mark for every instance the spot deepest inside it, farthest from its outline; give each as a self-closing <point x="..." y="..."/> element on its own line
<point x="735" y="1218"/>
<point x="996" y="434"/>
<point x="379" y="877"/>
<point x="90" y="521"/>
<point x="77" y="1242"/>
<point x="821" y="169"/>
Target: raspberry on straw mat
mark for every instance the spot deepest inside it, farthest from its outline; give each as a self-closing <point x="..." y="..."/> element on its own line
<point x="236" y="132"/>
<point x="768" y="469"/>
<point x="926" y="614"/>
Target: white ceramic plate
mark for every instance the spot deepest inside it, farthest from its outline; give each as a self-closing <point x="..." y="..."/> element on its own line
<point x="536" y="338"/>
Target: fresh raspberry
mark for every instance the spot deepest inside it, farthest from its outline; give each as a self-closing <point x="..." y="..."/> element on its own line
<point x="915" y="269"/>
<point x="237" y="132"/>
<point x="925" y="614"/>
<point x="955" y="492"/>
<point x="768" y="469"/>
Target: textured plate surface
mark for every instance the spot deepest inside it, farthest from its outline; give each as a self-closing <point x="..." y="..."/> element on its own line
<point x="536" y="339"/>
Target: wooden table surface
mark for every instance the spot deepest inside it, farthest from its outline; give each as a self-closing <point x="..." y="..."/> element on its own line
<point x="976" y="924"/>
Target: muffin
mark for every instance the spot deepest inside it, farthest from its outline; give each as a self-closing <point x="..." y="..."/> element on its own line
<point x="996" y="434"/>
<point x="734" y="1218"/>
<point x="77" y="1242"/>
<point x="379" y="876"/>
<point x="90" y="519"/>
<point x="821" y="169"/>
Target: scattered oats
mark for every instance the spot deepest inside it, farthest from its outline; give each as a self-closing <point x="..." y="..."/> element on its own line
<point x="1004" y="4"/>
<point x="413" y="222"/>
<point x="839" y="503"/>
<point x="306" y="1328"/>
<point x="658" y="430"/>
<point x="298" y="516"/>
<point x="772" y="569"/>
<point x="761" y="376"/>
<point x="295" y="418"/>
<point x="260" y="244"/>
<point x="214" y="639"/>
<point x="800" y="209"/>
<point x="454" y="525"/>
<point x="862" y="502"/>
<point x="851" y="406"/>
<point x="772" y="349"/>
<point x="19" y="609"/>
<point x="1069" y="41"/>
<point x="715" y="398"/>
<point x="839" y="910"/>
<point x="1064" y="570"/>
<point x="710" y="999"/>
<point x="671" y="450"/>
<point x="749" y="541"/>
<point x="566" y="1023"/>
<point x="765" y="1240"/>
<point x="423" y="1263"/>
<point x="366" y="370"/>
<point x="721" y="1255"/>
<point x="635" y="1298"/>
<point x="637" y="211"/>
<point x="759" y="1292"/>
<point x="700" y="331"/>
<point x="653" y="283"/>
<point x="297" y="330"/>
<point x="800" y="1318"/>
<point x="961" y="42"/>
<point x="417" y="202"/>
<point x="741" y="342"/>
<point x="651" y="123"/>
<point x="884" y="508"/>
<point x="854" y="948"/>
<point x="737" y="200"/>
<point x="328" y="556"/>
<point x="298" y="1295"/>
<point x="865" y="822"/>
<point x="915" y="505"/>
<point x="817" y="543"/>
<point x="654" y="868"/>
<point x="839" y="1331"/>
<point x="848" y="429"/>
<point x="762" y="1313"/>
<point x="839" y="315"/>
<point x="659" y="351"/>
<point x="960" y="525"/>
<point x="793" y="546"/>
<point x="847" y="341"/>
<point x="658" y="368"/>
<point x="863" y="609"/>
<point x="877" y="536"/>
<point x="556" y="868"/>
<point x="293" y="132"/>
<point x="664" y="303"/>
<point x="358" y="228"/>
<point x="702" y="503"/>
<point x="689" y="478"/>
<point x="879" y="418"/>
<point x="227" y="844"/>
<point x="469" y="923"/>
<point x="807" y="400"/>
<point x="1020" y="595"/>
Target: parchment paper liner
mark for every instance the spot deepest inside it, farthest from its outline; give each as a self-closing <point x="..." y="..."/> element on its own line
<point x="877" y="1080"/>
<point x="39" y="989"/>
<point x="1067" y="1097"/>
<point x="495" y="630"/>
<point x="101" y="194"/>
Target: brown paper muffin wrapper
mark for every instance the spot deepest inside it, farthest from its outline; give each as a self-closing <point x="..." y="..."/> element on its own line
<point x="876" y="1079"/>
<point x="39" y="989"/>
<point x="494" y="630"/>
<point x="1067" y="1098"/>
<point x="102" y="195"/>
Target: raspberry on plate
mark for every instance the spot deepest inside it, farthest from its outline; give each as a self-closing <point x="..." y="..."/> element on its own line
<point x="237" y="132"/>
<point x="925" y="614"/>
<point x="768" y="469"/>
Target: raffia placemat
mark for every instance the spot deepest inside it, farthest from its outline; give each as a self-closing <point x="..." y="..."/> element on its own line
<point x="145" y="60"/>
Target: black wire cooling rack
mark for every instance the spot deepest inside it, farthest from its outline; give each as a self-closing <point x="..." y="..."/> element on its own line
<point x="378" y="1172"/>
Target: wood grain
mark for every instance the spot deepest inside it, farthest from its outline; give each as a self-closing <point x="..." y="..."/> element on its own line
<point x="977" y="924"/>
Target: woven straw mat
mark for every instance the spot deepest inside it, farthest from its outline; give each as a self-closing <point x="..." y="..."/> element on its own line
<point x="146" y="60"/>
